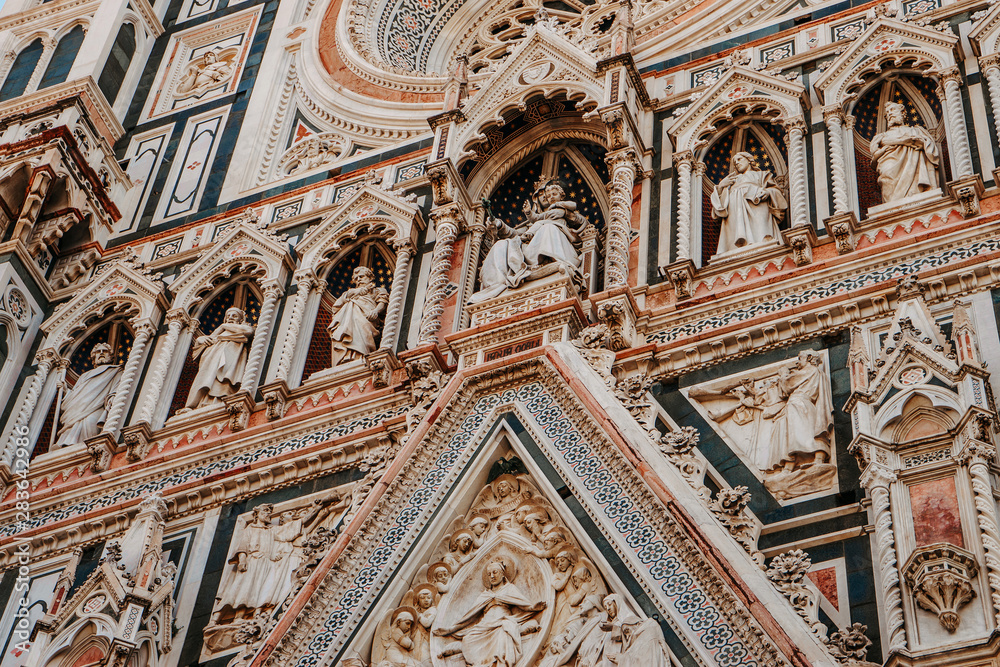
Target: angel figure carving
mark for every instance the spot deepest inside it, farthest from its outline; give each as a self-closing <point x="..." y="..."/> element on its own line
<point x="490" y="631"/>
<point x="213" y="69"/>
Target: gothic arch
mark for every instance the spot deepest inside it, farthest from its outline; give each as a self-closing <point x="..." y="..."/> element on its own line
<point x="89" y="634"/>
<point x="901" y="413"/>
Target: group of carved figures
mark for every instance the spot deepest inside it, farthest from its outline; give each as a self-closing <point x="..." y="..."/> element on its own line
<point x="510" y="586"/>
<point x="750" y="203"/>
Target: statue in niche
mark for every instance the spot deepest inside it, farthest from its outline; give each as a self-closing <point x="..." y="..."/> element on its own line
<point x="513" y="598"/>
<point x="781" y="420"/>
<point x="85" y="407"/>
<point x="545" y="242"/>
<point x="750" y="205"/>
<point x="905" y="156"/>
<point x="357" y="317"/>
<point x="490" y="632"/>
<point x="222" y="358"/>
<point x="211" y="70"/>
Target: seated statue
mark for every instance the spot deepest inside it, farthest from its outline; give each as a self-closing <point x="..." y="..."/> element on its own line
<point x="749" y="203"/>
<point x="548" y="237"/>
<point x="357" y="316"/>
<point x="222" y="358"/>
<point x="85" y="406"/>
<point x="905" y="156"/>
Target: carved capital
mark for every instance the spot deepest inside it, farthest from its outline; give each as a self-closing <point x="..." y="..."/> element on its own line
<point x="683" y="157"/>
<point x="272" y="290"/>
<point x="875" y="476"/>
<point x="795" y="124"/>
<point x="178" y="315"/>
<point x="833" y="114"/>
<point x="950" y="75"/>
<point x="402" y="247"/>
<point x="440" y="184"/>
<point x="990" y="62"/>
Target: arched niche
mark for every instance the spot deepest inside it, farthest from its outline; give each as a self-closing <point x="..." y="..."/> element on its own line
<point x="370" y="251"/>
<point x="917" y="94"/>
<point x="923" y="412"/>
<point x="86" y="643"/>
<point x="753" y="134"/>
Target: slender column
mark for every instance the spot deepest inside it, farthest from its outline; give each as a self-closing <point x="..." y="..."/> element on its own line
<point x="958" y="135"/>
<point x="143" y="332"/>
<point x="625" y="166"/>
<point x="477" y="232"/>
<point x="683" y="162"/>
<point x="400" y="280"/>
<point x="177" y="320"/>
<point x="261" y="338"/>
<point x="877" y="481"/>
<point x="976" y="456"/>
<point x="990" y="65"/>
<point x="46" y="359"/>
<point x="834" y="119"/>
<point x="306" y="283"/>
<point x="446" y="223"/>
<point x="48" y="46"/>
<point x="795" y="129"/>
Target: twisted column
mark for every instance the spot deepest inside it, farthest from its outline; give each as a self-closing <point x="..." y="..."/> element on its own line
<point x="683" y="162"/>
<point x="834" y="119"/>
<point x="990" y="66"/>
<point x="986" y="513"/>
<point x="177" y="320"/>
<point x="400" y="280"/>
<point x="46" y="359"/>
<point x="143" y="332"/>
<point x="877" y="481"/>
<point x="477" y="232"/>
<point x="261" y="337"/>
<point x="48" y="46"/>
<point x="958" y="139"/>
<point x="795" y="131"/>
<point x="306" y="283"/>
<point x="446" y="222"/>
<point x="625" y="166"/>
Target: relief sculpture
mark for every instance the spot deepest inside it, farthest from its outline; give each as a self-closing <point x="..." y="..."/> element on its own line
<point x="508" y="586"/>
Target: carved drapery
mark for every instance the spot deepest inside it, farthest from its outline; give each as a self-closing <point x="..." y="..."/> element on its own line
<point x="877" y="481"/>
<point x="306" y="283"/>
<point x="834" y="119"/>
<point x="683" y="163"/>
<point x="261" y="338"/>
<point x="143" y="333"/>
<point x="447" y="220"/>
<point x="400" y="281"/>
<point x="46" y="359"/>
<point x="177" y="321"/>
<point x="625" y="167"/>
<point x="958" y="136"/>
<point x="795" y="129"/>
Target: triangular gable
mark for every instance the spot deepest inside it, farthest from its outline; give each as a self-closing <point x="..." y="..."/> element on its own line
<point x="545" y="63"/>
<point x="605" y="460"/>
<point x="738" y="89"/>
<point x="122" y="286"/>
<point x="369" y="208"/>
<point x="985" y="35"/>
<point x="886" y="43"/>
<point x="247" y="247"/>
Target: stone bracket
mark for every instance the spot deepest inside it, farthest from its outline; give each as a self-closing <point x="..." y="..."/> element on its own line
<point x="101" y="448"/>
<point x="138" y="441"/>
<point x="617" y="310"/>
<point x="968" y="191"/>
<point x="239" y="406"/>
<point x="801" y="239"/>
<point x="941" y="576"/>
<point x="843" y="228"/>
<point x="276" y="397"/>
<point x="681" y="275"/>
<point x="382" y="363"/>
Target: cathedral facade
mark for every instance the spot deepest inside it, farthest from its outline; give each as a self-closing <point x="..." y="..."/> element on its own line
<point x="499" y="333"/>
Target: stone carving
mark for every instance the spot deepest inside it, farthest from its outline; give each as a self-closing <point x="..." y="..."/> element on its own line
<point x="271" y="552"/>
<point x="729" y="507"/>
<point x="750" y="205"/>
<point x="311" y="152"/>
<point x="678" y="446"/>
<point x="546" y="241"/>
<point x="941" y="576"/>
<point x="510" y="586"/>
<point x="905" y="156"/>
<point x="787" y="572"/>
<point x="426" y="384"/>
<point x="850" y="646"/>
<point x="357" y="317"/>
<point x="85" y="407"/>
<point x="213" y="69"/>
<point x="222" y="358"/>
<point x="780" y="420"/>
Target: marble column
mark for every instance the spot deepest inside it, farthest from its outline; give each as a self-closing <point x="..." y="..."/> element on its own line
<point x="261" y="338"/>
<point x="990" y="66"/>
<point x="877" y="481"/>
<point x="397" y="293"/>
<point x="143" y="333"/>
<point x="977" y="456"/>
<point x="958" y="136"/>
<point x="48" y="46"/>
<point x="625" y="166"/>
<point x="47" y="358"/>
<point x="683" y="162"/>
<point x="447" y="220"/>
<point x="834" y="118"/>
<point x="477" y="232"/>
<point x="177" y="320"/>
<point x="306" y="282"/>
<point x="795" y="131"/>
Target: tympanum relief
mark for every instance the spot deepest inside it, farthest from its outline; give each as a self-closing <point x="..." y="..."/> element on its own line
<point x="510" y="587"/>
<point x="779" y="420"/>
<point x="905" y="156"/>
<point x="222" y="358"/>
<point x="357" y="318"/>
<point x="269" y="546"/>
<point x="750" y="204"/>
<point x="545" y="241"/>
<point x="84" y="408"/>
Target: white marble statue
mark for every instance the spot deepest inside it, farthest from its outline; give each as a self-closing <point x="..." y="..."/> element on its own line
<point x="397" y="646"/>
<point x="802" y="419"/>
<point x="357" y="316"/>
<point x="85" y="407"/>
<point x="547" y="239"/>
<point x="750" y="205"/>
<point x="490" y="632"/>
<point x="222" y="358"/>
<point x="209" y="71"/>
<point x="905" y="156"/>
